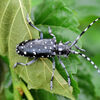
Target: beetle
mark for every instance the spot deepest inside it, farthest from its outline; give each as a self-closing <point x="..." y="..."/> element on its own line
<point x="46" y="48"/>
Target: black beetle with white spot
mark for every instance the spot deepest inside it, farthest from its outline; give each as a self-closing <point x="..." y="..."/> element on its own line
<point x="46" y="48"/>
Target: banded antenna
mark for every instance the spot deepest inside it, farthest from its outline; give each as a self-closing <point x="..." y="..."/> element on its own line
<point x="76" y="40"/>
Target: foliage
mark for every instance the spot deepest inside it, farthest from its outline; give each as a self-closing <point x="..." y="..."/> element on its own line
<point x="34" y="81"/>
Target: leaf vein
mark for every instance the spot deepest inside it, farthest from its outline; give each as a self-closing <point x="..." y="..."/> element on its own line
<point x="24" y="19"/>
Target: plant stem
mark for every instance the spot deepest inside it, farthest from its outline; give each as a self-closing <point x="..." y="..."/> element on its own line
<point x="16" y="85"/>
<point x="26" y="91"/>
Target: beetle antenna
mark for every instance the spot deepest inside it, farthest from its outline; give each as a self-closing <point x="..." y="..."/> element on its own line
<point x="87" y="58"/>
<point x="76" y="40"/>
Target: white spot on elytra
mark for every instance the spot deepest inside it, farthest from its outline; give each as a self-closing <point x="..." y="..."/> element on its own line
<point x="18" y="51"/>
<point x="31" y="43"/>
<point x="45" y="42"/>
<point x="31" y="46"/>
<point x="47" y="55"/>
<point x="34" y="53"/>
<point x="51" y="42"/>
<point x="45" y="47"/>
<point x="25" y="52"/>
<point x="22" y="44"/>
<point x="54" y="46"/>
<point x="50" y="47"/>
<point x="26" y="40"/>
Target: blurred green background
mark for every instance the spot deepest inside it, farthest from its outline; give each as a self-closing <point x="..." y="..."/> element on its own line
<point x="67" y="18"/>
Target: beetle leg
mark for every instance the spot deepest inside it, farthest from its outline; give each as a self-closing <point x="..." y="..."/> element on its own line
<point x="69" y="82"/>
<point x="53" y="68"/>
<point x="79" y="48"/>
<point x="76" y="46"/>
<point x="50" y="32"/>
<point x="30" y="23"/>
<point x="27" y="64"/>
<point x="66" y="43"/>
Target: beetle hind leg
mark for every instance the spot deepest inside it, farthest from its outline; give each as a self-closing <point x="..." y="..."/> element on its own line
<point x="69" y="81"/>
<point x="53" y="68"/>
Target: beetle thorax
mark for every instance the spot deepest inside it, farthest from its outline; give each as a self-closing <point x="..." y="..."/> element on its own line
<point x="62" y="49"/>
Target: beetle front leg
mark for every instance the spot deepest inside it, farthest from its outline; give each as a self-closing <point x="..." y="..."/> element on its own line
<point x="76" y="46"/>
<point x="27" y="64"/>
<point x="50" y="32"/>
<point x="66" y="43"/>
<point x="30" y="23"/>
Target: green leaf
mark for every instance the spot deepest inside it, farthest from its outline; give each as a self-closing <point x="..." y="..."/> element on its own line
<point x="88" y="79"/>
<point x="35" y="2"/>
<point x="55" y="14"/>
<point x="86" y="8"/>
<point x="44" y="95"/>
<point x="7" y="12"/>
<point x="5" y="81"/>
